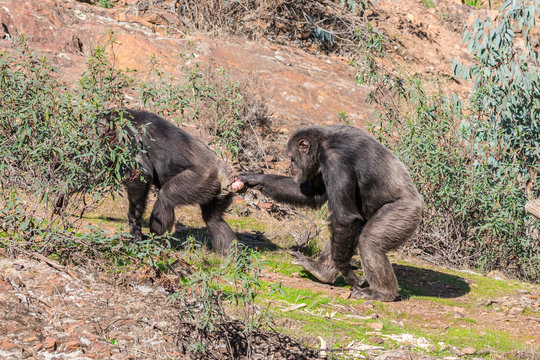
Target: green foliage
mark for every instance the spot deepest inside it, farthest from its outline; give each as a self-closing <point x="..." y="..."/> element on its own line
<point x="52" y="137"/>
<point x="354" y="5"/>
<point x="503" y="127"/>
<point x="475" y="179"/>
<point x="343" y="117"/>
<point x="209" y="291"/>
<point x="105" y="4"/>
<point x="207" y="96"/>
<point x="428" y="3"/>
<point x="474" y="3"/>
<point x="60" y="155"/>
<point x="504" y="100"/>
<point x="58" y="147"/>
<point x="370" y="47"/>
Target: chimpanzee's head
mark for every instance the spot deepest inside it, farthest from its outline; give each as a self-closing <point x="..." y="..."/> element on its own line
<point x="303" y="149"/>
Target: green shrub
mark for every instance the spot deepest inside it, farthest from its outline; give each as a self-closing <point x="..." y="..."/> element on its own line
<point x="52" y="141"/>
<point x="209" y="294"/>
<point x="60" y="158"/>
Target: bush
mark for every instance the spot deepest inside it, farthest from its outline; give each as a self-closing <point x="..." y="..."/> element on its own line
<point x="52" y="142"/>
<point x="59" y="159"/>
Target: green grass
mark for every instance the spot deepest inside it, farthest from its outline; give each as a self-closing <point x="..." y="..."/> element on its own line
<point x="246" y="223"/>
<point x="333" y="318"/>
<point x="428" y="3"/>
<point x="280" y="262"/>
<point x="461" y="337"/>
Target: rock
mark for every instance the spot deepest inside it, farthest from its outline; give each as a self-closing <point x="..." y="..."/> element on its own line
<point x="7" y="345"/>
<point x="515" y="311"/>
<point x="376" y="326"/>
<point x="155" y="19"/>
<point x="401" y="354"/>
<point x="71" y="346"/>
<point x="468" y="351"/>
<point x="497" y="275"/>
<point x="458" y="312"/>
<point x="458" y="315"/>
<point x="376" y="340"/>
<point x="31" y="339"/>
<point x="283" y="131"/>
<point x="50" y="344"/>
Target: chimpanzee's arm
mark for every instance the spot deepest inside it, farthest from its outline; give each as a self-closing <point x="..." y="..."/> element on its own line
<point x="284" y="189"/>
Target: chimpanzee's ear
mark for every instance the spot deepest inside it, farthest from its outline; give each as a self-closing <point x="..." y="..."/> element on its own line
<point x="303" y="146"/>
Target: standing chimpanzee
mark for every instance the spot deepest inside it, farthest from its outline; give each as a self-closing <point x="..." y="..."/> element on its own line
<point x="373" y="203"/>
<point x="185" y="170"/>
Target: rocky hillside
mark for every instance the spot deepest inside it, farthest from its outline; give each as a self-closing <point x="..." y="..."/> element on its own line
<point x="301" y="84"/>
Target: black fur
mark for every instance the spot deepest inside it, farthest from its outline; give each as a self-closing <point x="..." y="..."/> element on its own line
<point x="185" y="170"/>
<point x="373" y="202"/>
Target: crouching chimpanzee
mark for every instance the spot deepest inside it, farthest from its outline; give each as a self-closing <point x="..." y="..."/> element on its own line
<point x="373" y="203"/>
<point x="185" y="170"/>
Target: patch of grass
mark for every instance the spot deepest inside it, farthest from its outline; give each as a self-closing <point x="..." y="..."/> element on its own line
<point x="464" y="337"/>
<point x="489" y="288"/>
<point x="105" y="4"/>
<point x="246" y="223"/>
<point x="280" y="262"/>
<point x="296" y="296"/>
<point x="428" y="3"/>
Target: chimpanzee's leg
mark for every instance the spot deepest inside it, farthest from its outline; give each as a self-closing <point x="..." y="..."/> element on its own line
<point x="186" y="188"/>
<point x="389" y="228"/>
<point x="343" y="244"/>
<point x="220" y="232"/>
<point x="323" y="268"/>
<point x="137" y="191"/>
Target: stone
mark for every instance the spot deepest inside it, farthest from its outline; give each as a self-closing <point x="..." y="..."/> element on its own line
<point x="376" y="326"/>
<point x="515" y="311"/>
<point x="31" y="339"/>
<point x="71" y="346"/>
<point x="7" y="345"/>
<point x="50" y="344"/>
<point x="468" y="351"/>
<point x="376" y="340"/>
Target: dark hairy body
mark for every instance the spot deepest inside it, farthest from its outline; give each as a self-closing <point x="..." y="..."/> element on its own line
<point x="374" y="205"/>
<point x="186" y="172"/>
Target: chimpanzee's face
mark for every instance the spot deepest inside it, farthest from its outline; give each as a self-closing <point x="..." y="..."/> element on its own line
<point x="302" y="166"/>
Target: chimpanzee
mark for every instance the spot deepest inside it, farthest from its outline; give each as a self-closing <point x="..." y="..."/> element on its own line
<point x="373" y="203"/>
<point x="185" y="170"/>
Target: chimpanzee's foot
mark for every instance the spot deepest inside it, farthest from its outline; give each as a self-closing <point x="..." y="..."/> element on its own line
<point x="138" y="237"/>
<point x="357" y="292"/>
<point x="325" y="271"/>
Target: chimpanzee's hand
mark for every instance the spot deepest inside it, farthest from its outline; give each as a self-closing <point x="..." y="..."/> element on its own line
<point x="251" y="180"/>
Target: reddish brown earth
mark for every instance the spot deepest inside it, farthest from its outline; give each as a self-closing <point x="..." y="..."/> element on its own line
<point x="300" y="87"/>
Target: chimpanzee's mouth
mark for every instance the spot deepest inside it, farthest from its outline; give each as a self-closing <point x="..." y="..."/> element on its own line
<point x="293" y="171"/>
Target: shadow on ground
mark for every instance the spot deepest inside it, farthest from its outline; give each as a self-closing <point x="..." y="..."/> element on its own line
<point x="255" y="240"/>
<point x="415" y="281"/>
